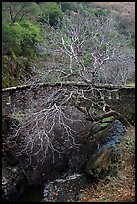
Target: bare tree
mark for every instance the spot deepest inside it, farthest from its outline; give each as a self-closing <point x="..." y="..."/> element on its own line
<point x="121" y="69"/>
<point x="83" y="48"/>
<point x="79" y="49"/>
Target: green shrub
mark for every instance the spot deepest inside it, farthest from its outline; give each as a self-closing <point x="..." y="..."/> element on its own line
<point x="12" y="35"/>
<point x="20" y="38"/>
<point x="68" y="6"/>
<point x="19" y="11"/>
<point x="100" y="12"/>
<point x="14" y="70"/>
<point x="87" y="59"/>
<point x="132" y="42"/>
<point x="50" y="13"/>
<point x="31" y="37"/>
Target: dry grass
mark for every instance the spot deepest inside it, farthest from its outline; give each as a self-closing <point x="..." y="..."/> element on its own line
<point x="122" y="187"/>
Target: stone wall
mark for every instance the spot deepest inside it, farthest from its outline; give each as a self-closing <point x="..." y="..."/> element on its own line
<point x="120" y="98"/>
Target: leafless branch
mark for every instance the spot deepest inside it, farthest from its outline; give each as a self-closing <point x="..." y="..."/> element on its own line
<point x="51" y="122"/>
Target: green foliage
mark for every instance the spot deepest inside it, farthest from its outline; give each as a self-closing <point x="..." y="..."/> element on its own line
<point x="108" y="119"/>
<point x="95" y="13"/>
<point x="132" y="43"/>
<point x="103" y="47"/>
<point x="12" y="36"/>
<point x="131" y="145"/>
<point x="131" y="84"/>
<point x="86" y="10"/>
<point x="44" y="55"/>
<point x="100" y="12"/>
<point x="19" y="116"/>
<point x="103" y="124"/>
<point x="18" y="11"/>
<point x="5" y="81"/>
<point x="50" y="13"/>
<point x="14" y="69"/>
<point x="87" y="59"/>
<point x="68" y="6"/>
<point x="98" y="112"/>
<point x="20" y="38"/>
<point x="31" y="37"/>
<point x="121" y="27"/>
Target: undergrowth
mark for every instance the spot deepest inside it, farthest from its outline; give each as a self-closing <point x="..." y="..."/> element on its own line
<point x="118" y="186"/>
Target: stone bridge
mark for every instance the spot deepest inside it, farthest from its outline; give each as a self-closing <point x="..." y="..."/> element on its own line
<point x="120" y="98"/>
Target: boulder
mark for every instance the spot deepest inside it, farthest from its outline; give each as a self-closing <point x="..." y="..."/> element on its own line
<point x="67" y="189"/>
<point x="13" y="178"/>
<point x="103" y="159"/>
<point x="68" y="151"/>
<point x="101" y="162"/>
<point x="13" y="183"/>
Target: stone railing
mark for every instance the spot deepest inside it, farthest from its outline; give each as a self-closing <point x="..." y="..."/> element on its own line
<point x="120" y="98"/>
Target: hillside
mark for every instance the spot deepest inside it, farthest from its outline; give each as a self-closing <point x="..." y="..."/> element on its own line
<point x="125" y="11"/>
<point x="24" y="39"/>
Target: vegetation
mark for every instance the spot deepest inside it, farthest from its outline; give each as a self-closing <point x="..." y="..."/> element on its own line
<point x="65" y="6"/>
<point x="59" y="42"/>
<point x="20" y="38"/>
<point x="20" y="35"/>
<point x="131" y="84"/>
<point x="25" y="26"/>
<point x="119" y="185"/>
<point x="50" y="14"/>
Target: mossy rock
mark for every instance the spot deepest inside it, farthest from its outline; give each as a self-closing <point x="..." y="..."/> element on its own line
<point x="101" y="162"/>
<point x="5" y="125"/>
<point x="98" y="137"/>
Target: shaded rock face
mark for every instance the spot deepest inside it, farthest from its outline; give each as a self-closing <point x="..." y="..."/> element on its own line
<point x="13" y="178"/>
<point x="13" y="183"/>
<point x="69" y="186"/>
<point x="76" y="152"/>
<point x="107" y="155"/>
<point x="101" y="162"/>
<point x="68" y="148"/>
<point x="65" y="189"/>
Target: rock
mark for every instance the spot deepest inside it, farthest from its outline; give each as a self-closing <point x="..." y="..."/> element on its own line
<point x="12" y="175"/>
<point x="13" y="181"/>
<point x="72" y="147"/>
<point x="65" y="189"/>
<point x="101" y="162"/>
<point x="98" y="139"/>
<point x="107" y="154"/>
<point x="12" y="159"/>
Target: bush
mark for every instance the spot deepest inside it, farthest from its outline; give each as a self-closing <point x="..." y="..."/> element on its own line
<point x="20" y="38"/>
<point x="68" y="6"/>
<point x="14" y="70"/>
<point x="100" y="12"/>
<point x="12" y="35"/>
<point x="50" y="13"/>
<point x="31" y="37"/>
<point x="132" y="42"/>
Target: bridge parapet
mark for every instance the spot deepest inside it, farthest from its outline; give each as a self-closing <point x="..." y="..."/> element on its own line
<point x="120" y="98"/>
